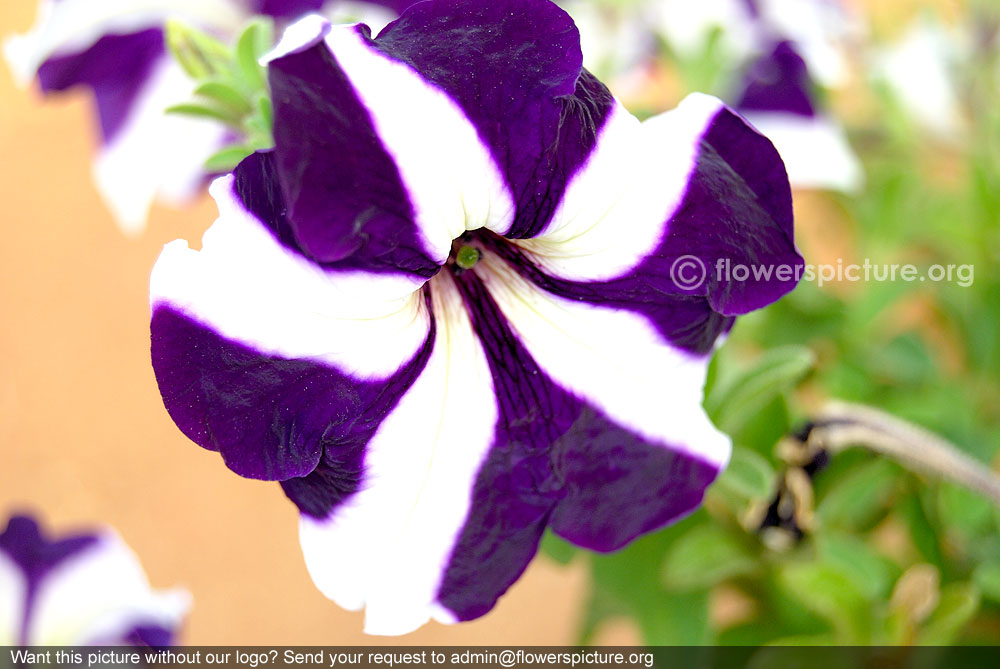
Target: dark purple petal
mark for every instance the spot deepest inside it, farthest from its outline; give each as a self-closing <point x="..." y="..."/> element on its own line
<point x="290" y="9"/>
<point x="256" y="184"/>
<point x="346" y="202"/>
<point x="515" y="68"/>
<point x="285" y="9"/>
<point x="555" y="460"/>
<point x="778" y="82"/>
<point x="116" y="68"/>
<point x="269" y="418"/>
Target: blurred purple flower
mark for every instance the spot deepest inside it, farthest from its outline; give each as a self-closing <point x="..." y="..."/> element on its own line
<point x="79" y="590"/>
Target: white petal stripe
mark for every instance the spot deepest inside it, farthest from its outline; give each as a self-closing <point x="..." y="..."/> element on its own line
<point x="248" y="287"/>
<point x="13" y="592"/>
<point x="388" y="546"/>
<point x="614" y="359"/>
<point x="635" y="180"/>
<point x="448" y="172"/>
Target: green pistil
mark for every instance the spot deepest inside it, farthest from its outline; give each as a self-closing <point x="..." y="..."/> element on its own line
<point x="467" y="257"/>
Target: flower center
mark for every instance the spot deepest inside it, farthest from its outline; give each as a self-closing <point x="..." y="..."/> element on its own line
<point x="467" y="256"/>
<point x="465" y="253"/>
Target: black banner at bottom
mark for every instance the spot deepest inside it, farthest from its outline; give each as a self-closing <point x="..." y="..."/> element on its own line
<point x="506" y="657"/>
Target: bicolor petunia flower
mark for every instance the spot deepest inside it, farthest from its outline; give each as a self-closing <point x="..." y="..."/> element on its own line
<point x="116" y="49"/>
<point x="921" y="69"/>
<point x="821" y="31"/>
<point x="783" y="48"/>
<point x="79" y="590"/>
<point x="466" y="298"/>
<point x="777" y="98"/>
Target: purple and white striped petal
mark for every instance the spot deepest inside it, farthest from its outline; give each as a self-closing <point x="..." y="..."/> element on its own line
<point x="86" y="589"/>
<point x="386" y="547"/>
<point x="503" y="433"/>
<point x="529" y="101"/>
<point x="314" y="350"/>
<point x="696" y="184"/>
<point x="364" y="190"/>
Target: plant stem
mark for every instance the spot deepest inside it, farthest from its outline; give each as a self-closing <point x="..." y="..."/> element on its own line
<point x="840" y="425"/>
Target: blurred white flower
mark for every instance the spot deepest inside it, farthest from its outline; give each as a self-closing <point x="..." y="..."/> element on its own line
<point x="919" y="71"/>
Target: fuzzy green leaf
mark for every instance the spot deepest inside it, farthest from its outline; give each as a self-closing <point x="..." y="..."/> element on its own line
<point x="733" y="403"/>
<point x="704" y="556"/>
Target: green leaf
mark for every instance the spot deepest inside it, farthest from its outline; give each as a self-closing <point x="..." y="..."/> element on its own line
<point x="872" y="574"/>
<point x="831" y="595"/>
<point x="987" y="578"/>
<point x="629" y="582"/>
<point x="201" y="55"/>
<point x="922" y="531"/>
<point x="859" y="498"/>
<point x="767" y="427"/>
<point x="265" y="110"/>
<point x="704" y="556"/>
<point x="748" y="475"/>
<point x="959" y="603"/>
<point x="203" y="111"/>
<point x="964" y="510"/>
<point x="227" y="159"/>
<point x="225" y="96"/>
<point x="252" y="44"/>
<point x="557" y="548"/>
<point x="732" y="404"/>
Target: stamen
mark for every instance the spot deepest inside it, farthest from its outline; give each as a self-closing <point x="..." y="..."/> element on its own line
<point x="467" y="257"/>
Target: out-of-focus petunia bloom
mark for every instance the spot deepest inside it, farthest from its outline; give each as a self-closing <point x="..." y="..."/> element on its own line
<point x="116" y="48"/>
<point x="79" y="590"/>
<point x="920" y="70"/>
<point x="615" y="35"/>
<point x="784" y="48"/>
<point x="777" y="98"/>
<point x="821" y="31"/>
<point x="467" y="297"/>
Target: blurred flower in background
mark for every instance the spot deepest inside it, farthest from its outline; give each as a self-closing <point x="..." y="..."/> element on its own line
<point x="78" y="590"/>
<point x="769" y="58"/>
<point x="921" y="69"/>
<point x="118" y="49"/>
<point x="779" y="99"/>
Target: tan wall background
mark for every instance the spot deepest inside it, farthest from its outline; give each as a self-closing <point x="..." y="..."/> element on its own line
<point x="84" y="438"/>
